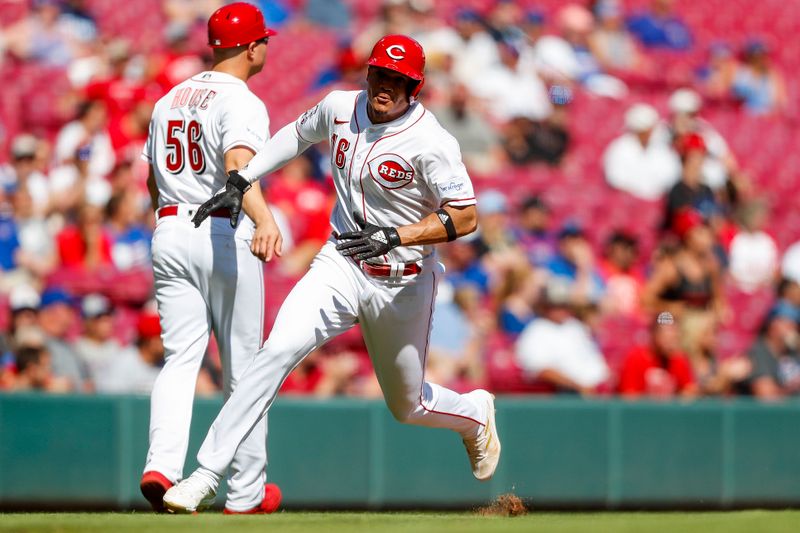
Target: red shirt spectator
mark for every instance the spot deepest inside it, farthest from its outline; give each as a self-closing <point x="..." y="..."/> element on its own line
<point x="305" y="203"/>
<point x="119" y="94"/>
<point x="85" y="244"/>
<point x="624" y="282"/>
<point x="659" y="370"/>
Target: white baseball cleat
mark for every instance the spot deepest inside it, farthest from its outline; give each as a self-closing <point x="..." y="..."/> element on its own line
<point x="484" y="449"/>
<point x="191" y="495"/>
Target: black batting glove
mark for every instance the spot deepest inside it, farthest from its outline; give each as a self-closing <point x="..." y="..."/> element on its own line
<point x="371" y="241"/>
<point x="230" y="199"/>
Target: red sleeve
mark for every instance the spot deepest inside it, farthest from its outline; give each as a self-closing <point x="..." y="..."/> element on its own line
<point x="71" y="250"/>
<point x="631" y="379"/>
<point x="681" y="370"/>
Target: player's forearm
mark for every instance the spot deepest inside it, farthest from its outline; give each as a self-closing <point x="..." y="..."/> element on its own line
<point x="431" y="230"/>
<point x="152" y="188"/>
<point x="279" y="150"/>
<point x="254" y="205"/>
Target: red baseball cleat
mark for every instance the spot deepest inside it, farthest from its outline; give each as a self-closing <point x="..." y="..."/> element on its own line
<point x="270" y="503"/>
<point x="153" y="487"/>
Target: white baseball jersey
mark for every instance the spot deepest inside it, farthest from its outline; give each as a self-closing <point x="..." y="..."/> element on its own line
<point x="392" y="174"/>
<point x="206" y="279"/>
<point x="193" y="126"/>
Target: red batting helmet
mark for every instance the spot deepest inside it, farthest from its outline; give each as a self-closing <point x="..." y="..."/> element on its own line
<point x="236" y="24"/>
<point x="401" y="54"/>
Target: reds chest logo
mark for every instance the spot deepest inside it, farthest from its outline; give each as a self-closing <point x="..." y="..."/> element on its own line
<point x="391" y="171"/>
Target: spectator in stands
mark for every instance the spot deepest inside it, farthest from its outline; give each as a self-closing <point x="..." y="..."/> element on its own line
<point x="510" y="92"/>
<point x="774" y="356"/>
<point x="495" y="241"/>
<point x="179" y="61"/>
<point x="533" y="28"/>
<point x="687" y="279"/>
<point x="130" y="239"/>
<point x="567" y="57"/>
<point x="575" y="265"/>
<point x="462" y="265"/>
<point x="306" y="204"/>
<point x="334" y="14"/>
<point x="758" y="84"/>
<point x="753" y="256"/>
<point x="545" y="140"/>
<point x="189" y="12"/>
<point x="641" y="161"/>
<point x="503" y="21"/>
<point x="476" y="52"/>
<point x="134" y="369"/>
<point x="23" y="302"/>
<point x="78" y="16"/>
<point x="660" y="370"/>
<point x="720" y="169"/>
<point x="36" y="252"/>
<point x="715" y="376"/>
<point x="495" y="234"/>
<point x="790" y="264"/>
<point x="788" y="290"/>
<point x="558" y="349"/>
<point x="479" y="141"/>
<point x="460" y="326"/>
<point x="85" y="245"/>
<point x="89" y="132"/>
<point x="439" y="39"/>
<point x="690" y="192"/>
<point x="9" y="244"/>
<point x="661" y="27"/>
<point x="96" y="347"/>
<point x="612" y="44"/>
<point x="716" y="77"/>
<point x="45" y="36"/>
<point x="35" y="371"/>
<point x="26" y="170"/>
<point x="534" y="232"/>
<point x="56" y="319"/>
<point x="519" y="298"/>
<point x="129" y="133"/>
<point x="394" y="18"/>
<point x="623" y="281"/>
<point x="122" y="87"/>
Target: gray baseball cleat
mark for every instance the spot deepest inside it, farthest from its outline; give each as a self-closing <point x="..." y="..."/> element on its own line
<point x="191" y="495"/>
<point x="484" y="449"/>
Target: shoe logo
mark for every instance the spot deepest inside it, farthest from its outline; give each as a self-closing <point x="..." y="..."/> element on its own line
<point x="337" y="121"/>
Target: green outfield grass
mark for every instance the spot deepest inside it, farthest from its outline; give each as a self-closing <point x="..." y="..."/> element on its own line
<point x="738" y="521"/>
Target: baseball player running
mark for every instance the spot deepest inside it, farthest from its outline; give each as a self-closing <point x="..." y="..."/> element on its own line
<point x="401" y="188"/>
<point x="211" y="279"/>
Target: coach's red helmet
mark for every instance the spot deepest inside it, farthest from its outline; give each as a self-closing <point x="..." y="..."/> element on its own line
<point x="236" y="24"/>
<point x="401" y="54"/>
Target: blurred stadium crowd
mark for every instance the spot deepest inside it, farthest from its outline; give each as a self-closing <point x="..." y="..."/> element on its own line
<point x="635" y="163"/>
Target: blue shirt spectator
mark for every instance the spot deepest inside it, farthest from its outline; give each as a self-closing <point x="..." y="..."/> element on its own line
<point x="574" y="263"/>
<point x="9" y="242"/>
<point x="661" y="28"/>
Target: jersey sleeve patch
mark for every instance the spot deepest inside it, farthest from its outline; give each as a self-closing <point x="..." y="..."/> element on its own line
<point x="311" y="125"/>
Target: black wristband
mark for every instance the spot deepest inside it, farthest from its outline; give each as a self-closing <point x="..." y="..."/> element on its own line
<point x="447" y="222"/>
<point x="393" y="236"/>
<point x="238" y="181"/>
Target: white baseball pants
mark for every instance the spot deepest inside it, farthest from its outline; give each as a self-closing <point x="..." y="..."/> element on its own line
<point x="206" y="280"/>
<point x="395" y="319"/>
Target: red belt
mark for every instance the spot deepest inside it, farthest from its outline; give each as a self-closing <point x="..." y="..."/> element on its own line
<point x="386" y="270"/>
<point x="172" y="210"/>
